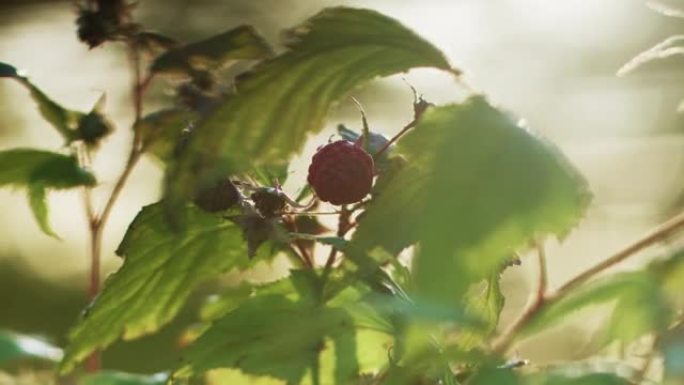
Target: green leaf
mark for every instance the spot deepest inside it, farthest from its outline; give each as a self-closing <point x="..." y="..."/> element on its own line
<point x="15" y="347"/>
<point x="110" y="377"/>
<point x="37" y="171"/>
<point x="63" y="120"/>
<point x="476" y="186"/>
<point x="274" y="336"/>
<point x="161" y="268"/>
<point x="38" y="202"/>
<point x="239" y="43"/>
<point x="284" y="99"/>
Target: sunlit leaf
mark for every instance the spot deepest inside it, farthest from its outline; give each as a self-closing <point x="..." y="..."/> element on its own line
<point x="240" y="43"/>
<point x="109" y="377"/>
<point x="282" y="100"/>
<point x="476" y="186"/>
<point x="161" y="268"/>
<point x="15" y="347"/>
<point x="672" y="46"/>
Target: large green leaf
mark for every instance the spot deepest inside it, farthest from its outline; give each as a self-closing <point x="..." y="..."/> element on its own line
<point x="476" y="187"/>
<point x="38" y="171"/>
<point x="239" y="43"/>
<point x="161" y="268"/>
<point x="15" y="347"/>
<point x="282" y="100"/>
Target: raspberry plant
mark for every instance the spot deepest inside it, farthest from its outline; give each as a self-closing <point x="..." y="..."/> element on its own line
<point x="427" y="221"/>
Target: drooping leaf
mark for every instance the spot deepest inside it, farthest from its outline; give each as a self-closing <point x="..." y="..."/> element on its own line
<point x="282" y="100"/>
<point x="239" y="43"/>
<point x="110" y="377"/>
<point x="39" y="171"/>
<point x="475" y="187"/>
<point x="161" y="268"/>
<point x="277" y="337"/>
<point x="672" y="46"/>
<point x="63" y="120"/>
<point x="15" y="347"/>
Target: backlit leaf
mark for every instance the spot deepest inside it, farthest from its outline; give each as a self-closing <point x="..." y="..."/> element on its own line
<point x="476" y="186"/>
<point x="283" y="99"/>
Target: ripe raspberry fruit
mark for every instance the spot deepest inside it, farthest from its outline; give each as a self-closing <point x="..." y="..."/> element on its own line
<point x="220" y="196"/>
<point x="341" y="173"/>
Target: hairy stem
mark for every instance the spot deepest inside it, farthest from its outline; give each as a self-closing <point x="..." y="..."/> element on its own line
<point x="659" y="233"/>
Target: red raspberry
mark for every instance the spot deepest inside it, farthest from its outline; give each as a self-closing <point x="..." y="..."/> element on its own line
<point x="341" y="172"/>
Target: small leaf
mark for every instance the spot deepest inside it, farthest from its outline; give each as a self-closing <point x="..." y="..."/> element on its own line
<point x="15" y="347"/>
<point x="62" y="119"/>
<point x="161" y="268"/>
<point x="110" y="377"/>
<point x="475" y="187"/>
<point x="239" y="43"/>
<point x="672" y="46"/>
<point x="284" y="99"/>
<point x="38" y="202"/>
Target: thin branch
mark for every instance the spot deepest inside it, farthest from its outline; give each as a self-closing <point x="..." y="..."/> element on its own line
<point x="97" y="222"/>
<point x="659" y="233"/>
<point x="409" y="126"/>
<point x="543" y="282"/>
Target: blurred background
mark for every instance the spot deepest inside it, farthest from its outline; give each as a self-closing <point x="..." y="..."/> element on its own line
<point x="551" y="62"/>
